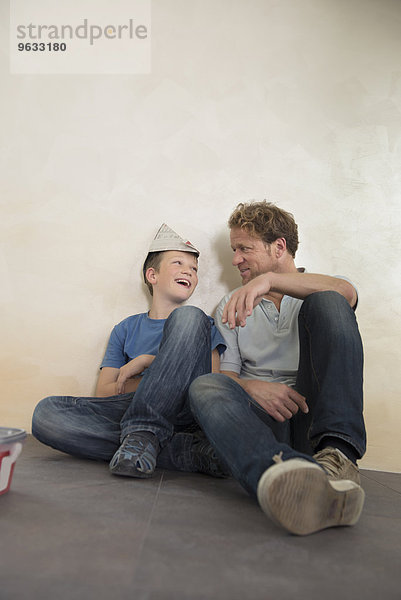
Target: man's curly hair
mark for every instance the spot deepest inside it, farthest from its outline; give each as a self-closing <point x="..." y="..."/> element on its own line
<point x="266" y="221"/>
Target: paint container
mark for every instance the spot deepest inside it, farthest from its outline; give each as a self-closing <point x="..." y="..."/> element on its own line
<point x="11" y="441"/>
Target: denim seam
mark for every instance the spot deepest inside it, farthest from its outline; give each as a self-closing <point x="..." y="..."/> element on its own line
<point x="310" y="353"/>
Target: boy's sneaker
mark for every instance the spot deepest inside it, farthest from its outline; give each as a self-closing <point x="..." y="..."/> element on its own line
<point x="298" y="495"/>
<point x="137" y="455"/>
<point x="337" y="465"/>
<point x="205" y="458"/>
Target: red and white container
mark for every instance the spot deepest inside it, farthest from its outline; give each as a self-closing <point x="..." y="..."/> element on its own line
<point x="11" y="441"/>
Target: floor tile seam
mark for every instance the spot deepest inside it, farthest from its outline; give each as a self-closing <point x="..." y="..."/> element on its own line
<point x="364" y="470"/>
<point x="382" y="484"/>
<point x="147" y="527"/>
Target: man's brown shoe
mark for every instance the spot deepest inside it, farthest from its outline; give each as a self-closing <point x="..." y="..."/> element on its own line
<point x="298" y="495"/>
<point x="337" y="465"/>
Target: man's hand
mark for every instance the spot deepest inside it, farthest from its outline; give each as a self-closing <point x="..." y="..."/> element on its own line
<point x="131" y="369"/>
<point x="244" y="300"/>
<point x="279" y="401"/>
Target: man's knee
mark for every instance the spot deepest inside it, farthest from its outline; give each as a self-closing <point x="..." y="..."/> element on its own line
<point x="199" y="390"/>
<point x="328" y="307"/>
<point x="325" y="301"/>
<point x="329" y="317"/>
<point x="208" y="391"/>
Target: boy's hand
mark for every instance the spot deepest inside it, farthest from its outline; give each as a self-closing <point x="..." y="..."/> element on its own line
<point x="132" y="369"/>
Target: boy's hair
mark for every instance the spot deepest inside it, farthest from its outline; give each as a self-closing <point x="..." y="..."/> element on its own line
<point x="266" y="221"/>
<point x="153" y="261"/>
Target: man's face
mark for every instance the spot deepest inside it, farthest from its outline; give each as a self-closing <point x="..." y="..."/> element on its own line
<point x="251" y="255"/>
<point x="177" y="276"/>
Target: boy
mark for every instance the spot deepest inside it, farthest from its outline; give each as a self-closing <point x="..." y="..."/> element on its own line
<point x="150" y="361"/>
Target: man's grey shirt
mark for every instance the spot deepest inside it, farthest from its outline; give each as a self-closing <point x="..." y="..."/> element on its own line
<point x="267" y="348"/>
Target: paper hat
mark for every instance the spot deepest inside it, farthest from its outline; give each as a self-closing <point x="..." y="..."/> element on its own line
<point x="167" y="239"/>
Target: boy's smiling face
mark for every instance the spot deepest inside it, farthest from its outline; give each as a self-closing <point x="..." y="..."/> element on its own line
<point x="177" y="276"/>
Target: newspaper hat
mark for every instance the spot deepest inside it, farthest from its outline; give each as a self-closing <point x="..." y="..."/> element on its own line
<point x="167" y="239"/>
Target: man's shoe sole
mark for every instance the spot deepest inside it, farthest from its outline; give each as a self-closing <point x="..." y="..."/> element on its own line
<point x="298" y="495"/>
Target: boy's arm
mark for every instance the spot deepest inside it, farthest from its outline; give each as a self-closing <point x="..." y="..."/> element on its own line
<point x="132" y="369"/>
<point x="114" y="381"/>
<point x="215" y="361"/>
<point x="136" y="366"/>
<point x="107" y="383"/>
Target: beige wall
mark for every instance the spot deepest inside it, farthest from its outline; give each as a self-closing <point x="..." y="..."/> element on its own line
<point x="298" y="101"/>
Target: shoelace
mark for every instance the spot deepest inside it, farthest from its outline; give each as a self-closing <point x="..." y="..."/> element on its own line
<point x="278" y="458"/>
<point x="142" y="451"/>
<point x="330" y="461"/>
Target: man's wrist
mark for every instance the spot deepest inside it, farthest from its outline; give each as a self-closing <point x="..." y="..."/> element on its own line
<point x="271" y="281"/>
<point x="246" y="384"/>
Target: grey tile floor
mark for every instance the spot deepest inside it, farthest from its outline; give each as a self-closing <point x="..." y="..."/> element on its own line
<point x="68" y="529"/>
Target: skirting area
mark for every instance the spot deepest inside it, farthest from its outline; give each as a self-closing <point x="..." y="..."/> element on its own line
<point x="70" y="530"/>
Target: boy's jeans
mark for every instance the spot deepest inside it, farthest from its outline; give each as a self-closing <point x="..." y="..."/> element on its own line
<point x="94" y="427"/>
<point x="330" y="377"/>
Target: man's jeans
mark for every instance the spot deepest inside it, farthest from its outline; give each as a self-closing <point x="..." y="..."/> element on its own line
<point x="330" y="376"/>
<point x="94" y="427"/>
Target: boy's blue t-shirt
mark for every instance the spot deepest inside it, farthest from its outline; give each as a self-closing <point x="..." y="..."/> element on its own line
<point x="138" y="335"/>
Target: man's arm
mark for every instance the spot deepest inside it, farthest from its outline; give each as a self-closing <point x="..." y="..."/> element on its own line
<point x="297" y="285"/>
<point x="279" y="400"/>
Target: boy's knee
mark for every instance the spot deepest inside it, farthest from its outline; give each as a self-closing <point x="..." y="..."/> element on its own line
<point x="42" y="415"/>
<point x="188" y="314"/>
<point x="40" y="409"/>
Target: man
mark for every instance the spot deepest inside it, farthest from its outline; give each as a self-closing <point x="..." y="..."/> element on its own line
<point x="285" y="415"/>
